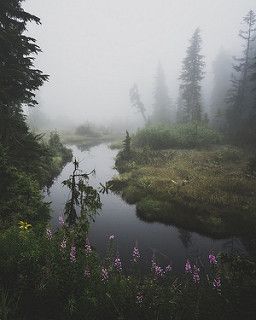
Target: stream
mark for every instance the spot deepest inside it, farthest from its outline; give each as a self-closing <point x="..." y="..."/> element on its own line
<point x="169" y="243"/>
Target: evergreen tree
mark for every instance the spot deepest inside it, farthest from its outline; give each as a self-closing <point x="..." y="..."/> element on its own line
<point x="190" y="109"/>
<point x="136" y="101"/>
<point x="25" y="161"/>
<point x="222" y="67"/>
<point x="240" y="99"/>
<point x="162" y="103"/>
<point x="19" y="78"/>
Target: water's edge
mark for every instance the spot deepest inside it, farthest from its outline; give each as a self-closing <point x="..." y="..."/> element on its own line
<point x="119" y="218"/>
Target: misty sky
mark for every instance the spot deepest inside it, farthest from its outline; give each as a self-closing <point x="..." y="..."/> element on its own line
<point x="94" y="50"/>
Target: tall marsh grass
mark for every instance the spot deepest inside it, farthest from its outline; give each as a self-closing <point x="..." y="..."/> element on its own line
<point x="176" y="136"/>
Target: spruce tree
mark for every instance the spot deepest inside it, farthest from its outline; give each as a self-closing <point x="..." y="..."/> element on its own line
<point x="190" y="108"/>
<point x="162" y="103"/>
<point x="240" y="98"/>
<point x="19" y="78"/>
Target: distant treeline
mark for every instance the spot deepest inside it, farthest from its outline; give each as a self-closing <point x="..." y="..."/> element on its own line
<point x="233" y="102"/>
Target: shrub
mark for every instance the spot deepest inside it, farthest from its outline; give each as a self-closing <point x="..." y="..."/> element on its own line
<point x="176" y="136"/>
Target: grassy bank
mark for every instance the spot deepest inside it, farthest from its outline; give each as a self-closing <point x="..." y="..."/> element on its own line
<point x="88" y="135"/>
<point x="207" y="190"/>
<point x="83" y="140"/>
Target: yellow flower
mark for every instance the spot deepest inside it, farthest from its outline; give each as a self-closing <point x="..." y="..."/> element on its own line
<point x="24" y="225"/>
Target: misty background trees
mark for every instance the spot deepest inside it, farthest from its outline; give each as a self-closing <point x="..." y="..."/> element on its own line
<point x="231" y="108"/>
<point x="162" y="105"/>
<point x="241" y="111"/>
<point x="191" y="76"/>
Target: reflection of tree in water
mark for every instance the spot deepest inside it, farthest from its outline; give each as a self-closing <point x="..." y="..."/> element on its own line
<point x="185" y="237"/>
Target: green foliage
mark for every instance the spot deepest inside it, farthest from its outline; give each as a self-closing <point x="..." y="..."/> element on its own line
<point x="116" y="145"/>
<point x="24" y="170"/>
<point x="55" y="276"/>
<point x="83" y="196"/>
<point x="20" y="194"/>
<point x="209" y="190"/>
<point x="126" y="152"/>
<point x="57" y="149"/>
<point x="176" y="136"/>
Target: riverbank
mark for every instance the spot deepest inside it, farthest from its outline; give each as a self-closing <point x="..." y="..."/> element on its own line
<point x="24" y="173"/>
<point x="210" y="191"/>
<point x="86" y="140"/>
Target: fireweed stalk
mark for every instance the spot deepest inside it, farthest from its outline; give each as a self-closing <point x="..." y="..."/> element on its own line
<point x="118" y="264"/>
<point x="104" y="274"/>
<point x="72" y="255"/>
<point x="87" y="247"/>
<point x="48" y="233"/>
<point x="136" y="254"/>
<point x="212" y="259"/>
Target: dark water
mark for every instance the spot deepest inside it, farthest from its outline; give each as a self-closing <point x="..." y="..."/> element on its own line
<point x="169" y="243"/>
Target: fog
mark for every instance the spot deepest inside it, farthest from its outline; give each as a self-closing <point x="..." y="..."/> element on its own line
<point x="94" y="50"/>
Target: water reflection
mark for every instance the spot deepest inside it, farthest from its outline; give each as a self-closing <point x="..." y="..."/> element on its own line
<point x="119" y="218"/>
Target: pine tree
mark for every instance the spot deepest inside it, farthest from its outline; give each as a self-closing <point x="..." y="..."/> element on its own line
<point x="190" y="110"/>
<point x="240" y="96"/>
<point x="162" y="103"/>
<point x="19" y="78"/>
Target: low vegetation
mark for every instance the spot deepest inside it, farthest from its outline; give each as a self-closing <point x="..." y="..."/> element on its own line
<point x="176" y="136"/>
<point x="211" y="190"/>
<point x="60" y="276"/>
<point x="88" y="135"/>
<point x="23" y="175"/>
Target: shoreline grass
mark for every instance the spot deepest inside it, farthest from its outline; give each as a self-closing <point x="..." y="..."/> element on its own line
<point x="206" y="190"/>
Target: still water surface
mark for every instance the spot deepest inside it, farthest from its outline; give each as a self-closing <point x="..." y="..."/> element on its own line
<point x="117" y="217"/>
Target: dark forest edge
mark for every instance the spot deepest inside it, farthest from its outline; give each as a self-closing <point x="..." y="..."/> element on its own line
<point x="24" y="176"/>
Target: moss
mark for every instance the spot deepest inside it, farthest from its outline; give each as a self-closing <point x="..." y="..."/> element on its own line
<point x="205" y="190"/>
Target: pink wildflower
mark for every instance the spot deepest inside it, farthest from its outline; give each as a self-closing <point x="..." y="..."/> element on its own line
<point x="136" y="254"/>
<point x="196" y="276"/>
<point x="212" y="259"/>
<point x="48" y="233"/>
<point x="153" y="263"/>
<point x="159" y="272"/>
<point x="139" y="298"/>
<point x="63" y="244"/>
<point x="168" y="268"/>
<point x="73" y="254"/>
<point x="217" y="283"/>
<point x="61" y="221"/>
<point x="118" y="264"/>
<point x="156" y="269"/>
<point x="188" y="267"/>
<point x="87" y="247"/>
<point x="104" y="274"/>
